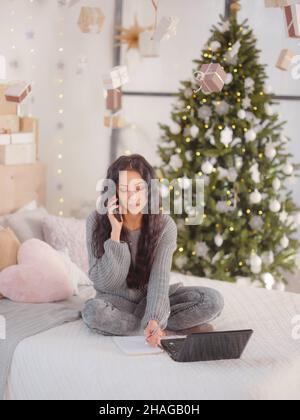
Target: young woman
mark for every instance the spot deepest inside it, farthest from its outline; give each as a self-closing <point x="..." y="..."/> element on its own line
<point x="130" y="262"/>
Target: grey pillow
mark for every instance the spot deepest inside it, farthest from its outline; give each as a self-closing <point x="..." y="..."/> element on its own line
<point x="27" y="224"/>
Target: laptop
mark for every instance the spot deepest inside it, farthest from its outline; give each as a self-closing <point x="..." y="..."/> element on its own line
<point x="204" y="347"/>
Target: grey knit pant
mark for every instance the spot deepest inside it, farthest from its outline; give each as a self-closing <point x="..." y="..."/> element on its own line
<point x="190" y="306"/>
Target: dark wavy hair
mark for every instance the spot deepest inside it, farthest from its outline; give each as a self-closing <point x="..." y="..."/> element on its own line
<point x="152" y="224"/>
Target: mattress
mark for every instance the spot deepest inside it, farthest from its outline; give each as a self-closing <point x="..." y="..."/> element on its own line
<point x="70" y="362"/>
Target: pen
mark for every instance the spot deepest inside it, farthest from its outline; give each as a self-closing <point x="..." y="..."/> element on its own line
<point x="154" y="331"/>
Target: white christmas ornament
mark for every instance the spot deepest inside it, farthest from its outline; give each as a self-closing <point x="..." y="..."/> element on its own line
<point x="256" y="223"/>
<point x="255" y="174"/>
<point x="285" y="242"/>
<point x="249" y="84"/>
<point x="226" y="136"/>
<point x="189" y="155"/>
<point x="255" y="264"/>
<point x="270" y="151"/>
<point x="215" y="46"/>
<point x="207" y="168"/>
<point x="219" y="240"/>
<point x="232" y="175"/>
<point x="194" y="131"/>
<point x="268" y="280"/>
<point x="242" y="114"/>
<point x="176" y="162"/>
<point x="229" y="79"/>
<point x="204" y="112"/>
<point x="239" y="162"/>
<point x="276" y="184"/>
<point x="255" y="197"/>
<point x="201" y="249"/>
<point x="288" y="169"/>
<point x="175" y="129"/>
<point x="269" y="110"/>
<point x="283" y="217"/>
<point x="275" y="206"/>
<point x="250" y="135"/>
<point x="188" y="93"/>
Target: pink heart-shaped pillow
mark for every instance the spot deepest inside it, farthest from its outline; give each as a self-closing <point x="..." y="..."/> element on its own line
<point x="39" y="277"/>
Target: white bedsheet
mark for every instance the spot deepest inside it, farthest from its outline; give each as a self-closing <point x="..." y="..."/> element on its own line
<point x="70" y="362"/>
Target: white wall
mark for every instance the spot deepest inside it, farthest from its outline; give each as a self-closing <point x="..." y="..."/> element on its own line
<point x="85" y="147"/>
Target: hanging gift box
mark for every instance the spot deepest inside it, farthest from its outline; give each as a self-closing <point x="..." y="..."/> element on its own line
<point x="285" y="59"/>
<point x="211" y="78"/>
<point x="148" y="46"/>
<point x="116" y="78"/>
<point x="114" y="100"/>
<point x="292" y="20"/>
<point x="91" y="20"/>
<point x="18" y="92"/>
<point x="114" y="121"/>
<point x="6" y="108"/>
<point x="166" y="28"/>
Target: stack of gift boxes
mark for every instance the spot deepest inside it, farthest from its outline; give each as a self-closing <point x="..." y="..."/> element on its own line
<point x="18" y="136"/>
<point x="291" y="15"/>
<point x="113" y="83"/>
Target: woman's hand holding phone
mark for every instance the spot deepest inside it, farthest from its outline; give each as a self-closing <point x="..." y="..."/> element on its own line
<point x="116" y="225"/>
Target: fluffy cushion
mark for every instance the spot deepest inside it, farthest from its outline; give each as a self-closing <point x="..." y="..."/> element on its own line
<point x="39" y="277"/>
<point x="9" y="247"/>
<point x="27" y="224"/>
<point x="70" y="233"/>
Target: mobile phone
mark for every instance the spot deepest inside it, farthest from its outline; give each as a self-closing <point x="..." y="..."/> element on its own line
<point x="117" y="213"/>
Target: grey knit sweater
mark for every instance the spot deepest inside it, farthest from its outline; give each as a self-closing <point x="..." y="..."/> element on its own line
<point x="109" y="273"/>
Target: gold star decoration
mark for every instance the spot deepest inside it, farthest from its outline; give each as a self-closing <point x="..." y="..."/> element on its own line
<point x="130" y="36"/>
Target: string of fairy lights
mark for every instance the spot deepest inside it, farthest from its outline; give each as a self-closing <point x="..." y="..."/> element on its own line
<point x="60" y="96"/>
<point x="59" y="81"/>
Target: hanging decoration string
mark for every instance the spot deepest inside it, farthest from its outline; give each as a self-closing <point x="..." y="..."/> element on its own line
<point x="155" y="5"/>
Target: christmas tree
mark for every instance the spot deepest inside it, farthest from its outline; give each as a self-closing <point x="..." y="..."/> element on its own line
<point x="234" y="140"/>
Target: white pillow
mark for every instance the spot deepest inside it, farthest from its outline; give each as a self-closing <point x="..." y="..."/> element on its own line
<point x="77" y="276"/>
<point x="28" y="224"/>
<point x="30" y="206"/>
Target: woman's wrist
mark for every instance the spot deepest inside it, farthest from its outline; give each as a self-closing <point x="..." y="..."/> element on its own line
<point x="115" y="236"/>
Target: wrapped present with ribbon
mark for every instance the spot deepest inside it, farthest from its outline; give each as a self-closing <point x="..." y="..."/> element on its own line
<point x="114" y="121"/>
<point x="18" y="92"/>
<point x="91" y="20"/>
<point x="285" y="59"/>
<point x="116" y="78"/>
<point x="166" y="28"/>
<point x="292" y="20"/>
<point x="211" y="78"/>
<point x="114" y="100"/>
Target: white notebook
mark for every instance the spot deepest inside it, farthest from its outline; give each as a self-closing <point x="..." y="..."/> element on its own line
<point x="135" y="345"/>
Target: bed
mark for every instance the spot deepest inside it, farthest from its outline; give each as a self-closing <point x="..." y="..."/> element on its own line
<point x="70" y="362"/>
